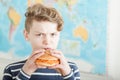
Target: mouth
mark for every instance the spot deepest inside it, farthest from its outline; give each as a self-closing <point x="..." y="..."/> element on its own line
<point x="47" y="48"/>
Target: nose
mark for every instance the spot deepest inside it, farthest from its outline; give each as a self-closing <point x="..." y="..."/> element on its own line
<point x="46" y="40"/>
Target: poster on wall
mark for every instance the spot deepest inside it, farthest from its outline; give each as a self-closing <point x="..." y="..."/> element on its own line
<point x="83" y="39"/>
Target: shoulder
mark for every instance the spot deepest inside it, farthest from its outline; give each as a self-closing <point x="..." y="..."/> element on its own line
<point x="15" y="65"/>
<point x="72" y="65"/>
<point x="74" y="68"/>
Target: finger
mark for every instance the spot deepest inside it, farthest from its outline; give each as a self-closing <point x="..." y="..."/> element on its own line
<point x="40" y="66"/>
<point x="54" y="67"/>
<point x="36" y="54"/>
<point x="60" y="56"/>
<point x="57" y="54"/>
<point x="38" y="51"/>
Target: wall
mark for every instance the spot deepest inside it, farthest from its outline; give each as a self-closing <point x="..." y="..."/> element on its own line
<point x="113" y="55"/>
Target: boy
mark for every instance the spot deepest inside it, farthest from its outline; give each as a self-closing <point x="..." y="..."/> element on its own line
<point x="42" y="30"/>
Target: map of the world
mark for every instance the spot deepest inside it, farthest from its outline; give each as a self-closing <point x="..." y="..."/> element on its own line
<point x="83" y="39"/>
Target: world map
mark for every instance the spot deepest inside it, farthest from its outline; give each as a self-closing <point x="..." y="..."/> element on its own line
<point x="83" y="39"/>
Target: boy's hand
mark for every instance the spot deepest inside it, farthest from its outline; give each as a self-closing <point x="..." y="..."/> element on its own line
<point x="63" y="67"/>
<point x="30" y="66"/>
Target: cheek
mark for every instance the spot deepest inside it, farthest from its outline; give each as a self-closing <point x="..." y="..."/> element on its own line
<point x="55" y="41"/>
<point x="36" y="42"/>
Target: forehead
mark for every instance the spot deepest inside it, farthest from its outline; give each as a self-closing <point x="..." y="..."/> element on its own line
<point x="44" y="26"/>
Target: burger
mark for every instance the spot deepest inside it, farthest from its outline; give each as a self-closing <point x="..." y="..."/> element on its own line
<point x="47" y="59"/>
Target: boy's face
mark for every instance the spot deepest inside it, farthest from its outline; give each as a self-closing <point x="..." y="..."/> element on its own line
<point x="43" y="35"/>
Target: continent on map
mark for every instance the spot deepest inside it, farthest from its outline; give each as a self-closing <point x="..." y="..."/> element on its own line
<point x="15" y="18"/>
<point x="81" y="32"/>
<point x="45" y="2"/>
<point x="68" y="3"/>
<point x="31" y="2"/>
<point x="38" y="1"/>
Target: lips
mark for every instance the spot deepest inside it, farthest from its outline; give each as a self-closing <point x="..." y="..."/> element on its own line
<point x="47" y="48"/>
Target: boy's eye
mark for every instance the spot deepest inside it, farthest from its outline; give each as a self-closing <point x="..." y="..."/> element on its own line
<point x="53" y="34"/>
<point x="39" y="34"/>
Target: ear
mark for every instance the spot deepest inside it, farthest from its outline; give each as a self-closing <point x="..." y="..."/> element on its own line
<point x="26" y="35"/>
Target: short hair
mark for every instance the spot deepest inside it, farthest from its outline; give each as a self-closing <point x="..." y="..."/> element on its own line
<point x="40" y="12"/>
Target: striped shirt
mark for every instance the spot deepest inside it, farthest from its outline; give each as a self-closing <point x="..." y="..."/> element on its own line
<point x="14" y="72"/>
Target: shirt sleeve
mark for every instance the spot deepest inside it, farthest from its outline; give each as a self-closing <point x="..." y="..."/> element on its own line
<point x="74" y="74"/>
<point x="7" y="75"/>
<point x="22" y="76"/>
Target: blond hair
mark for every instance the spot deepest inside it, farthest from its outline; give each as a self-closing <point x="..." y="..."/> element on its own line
<point x="40" y="12"/>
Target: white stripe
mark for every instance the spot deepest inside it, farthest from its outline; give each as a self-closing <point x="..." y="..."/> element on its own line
<point x="15" y="70"/>
<point x="14" y="65"/>
<point x="14" y="77"/>
<point x="76" y="71"/>
<point x="24" y="74"/>
<point x="7" y="74"/>
<point x="17" y="78"/>
<point x="47" y="74"/>
<point x="77" y="78"/>
<point x="68" y="75"/>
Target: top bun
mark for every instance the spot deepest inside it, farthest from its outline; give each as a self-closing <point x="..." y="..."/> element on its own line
<point x="47" y="56"/>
